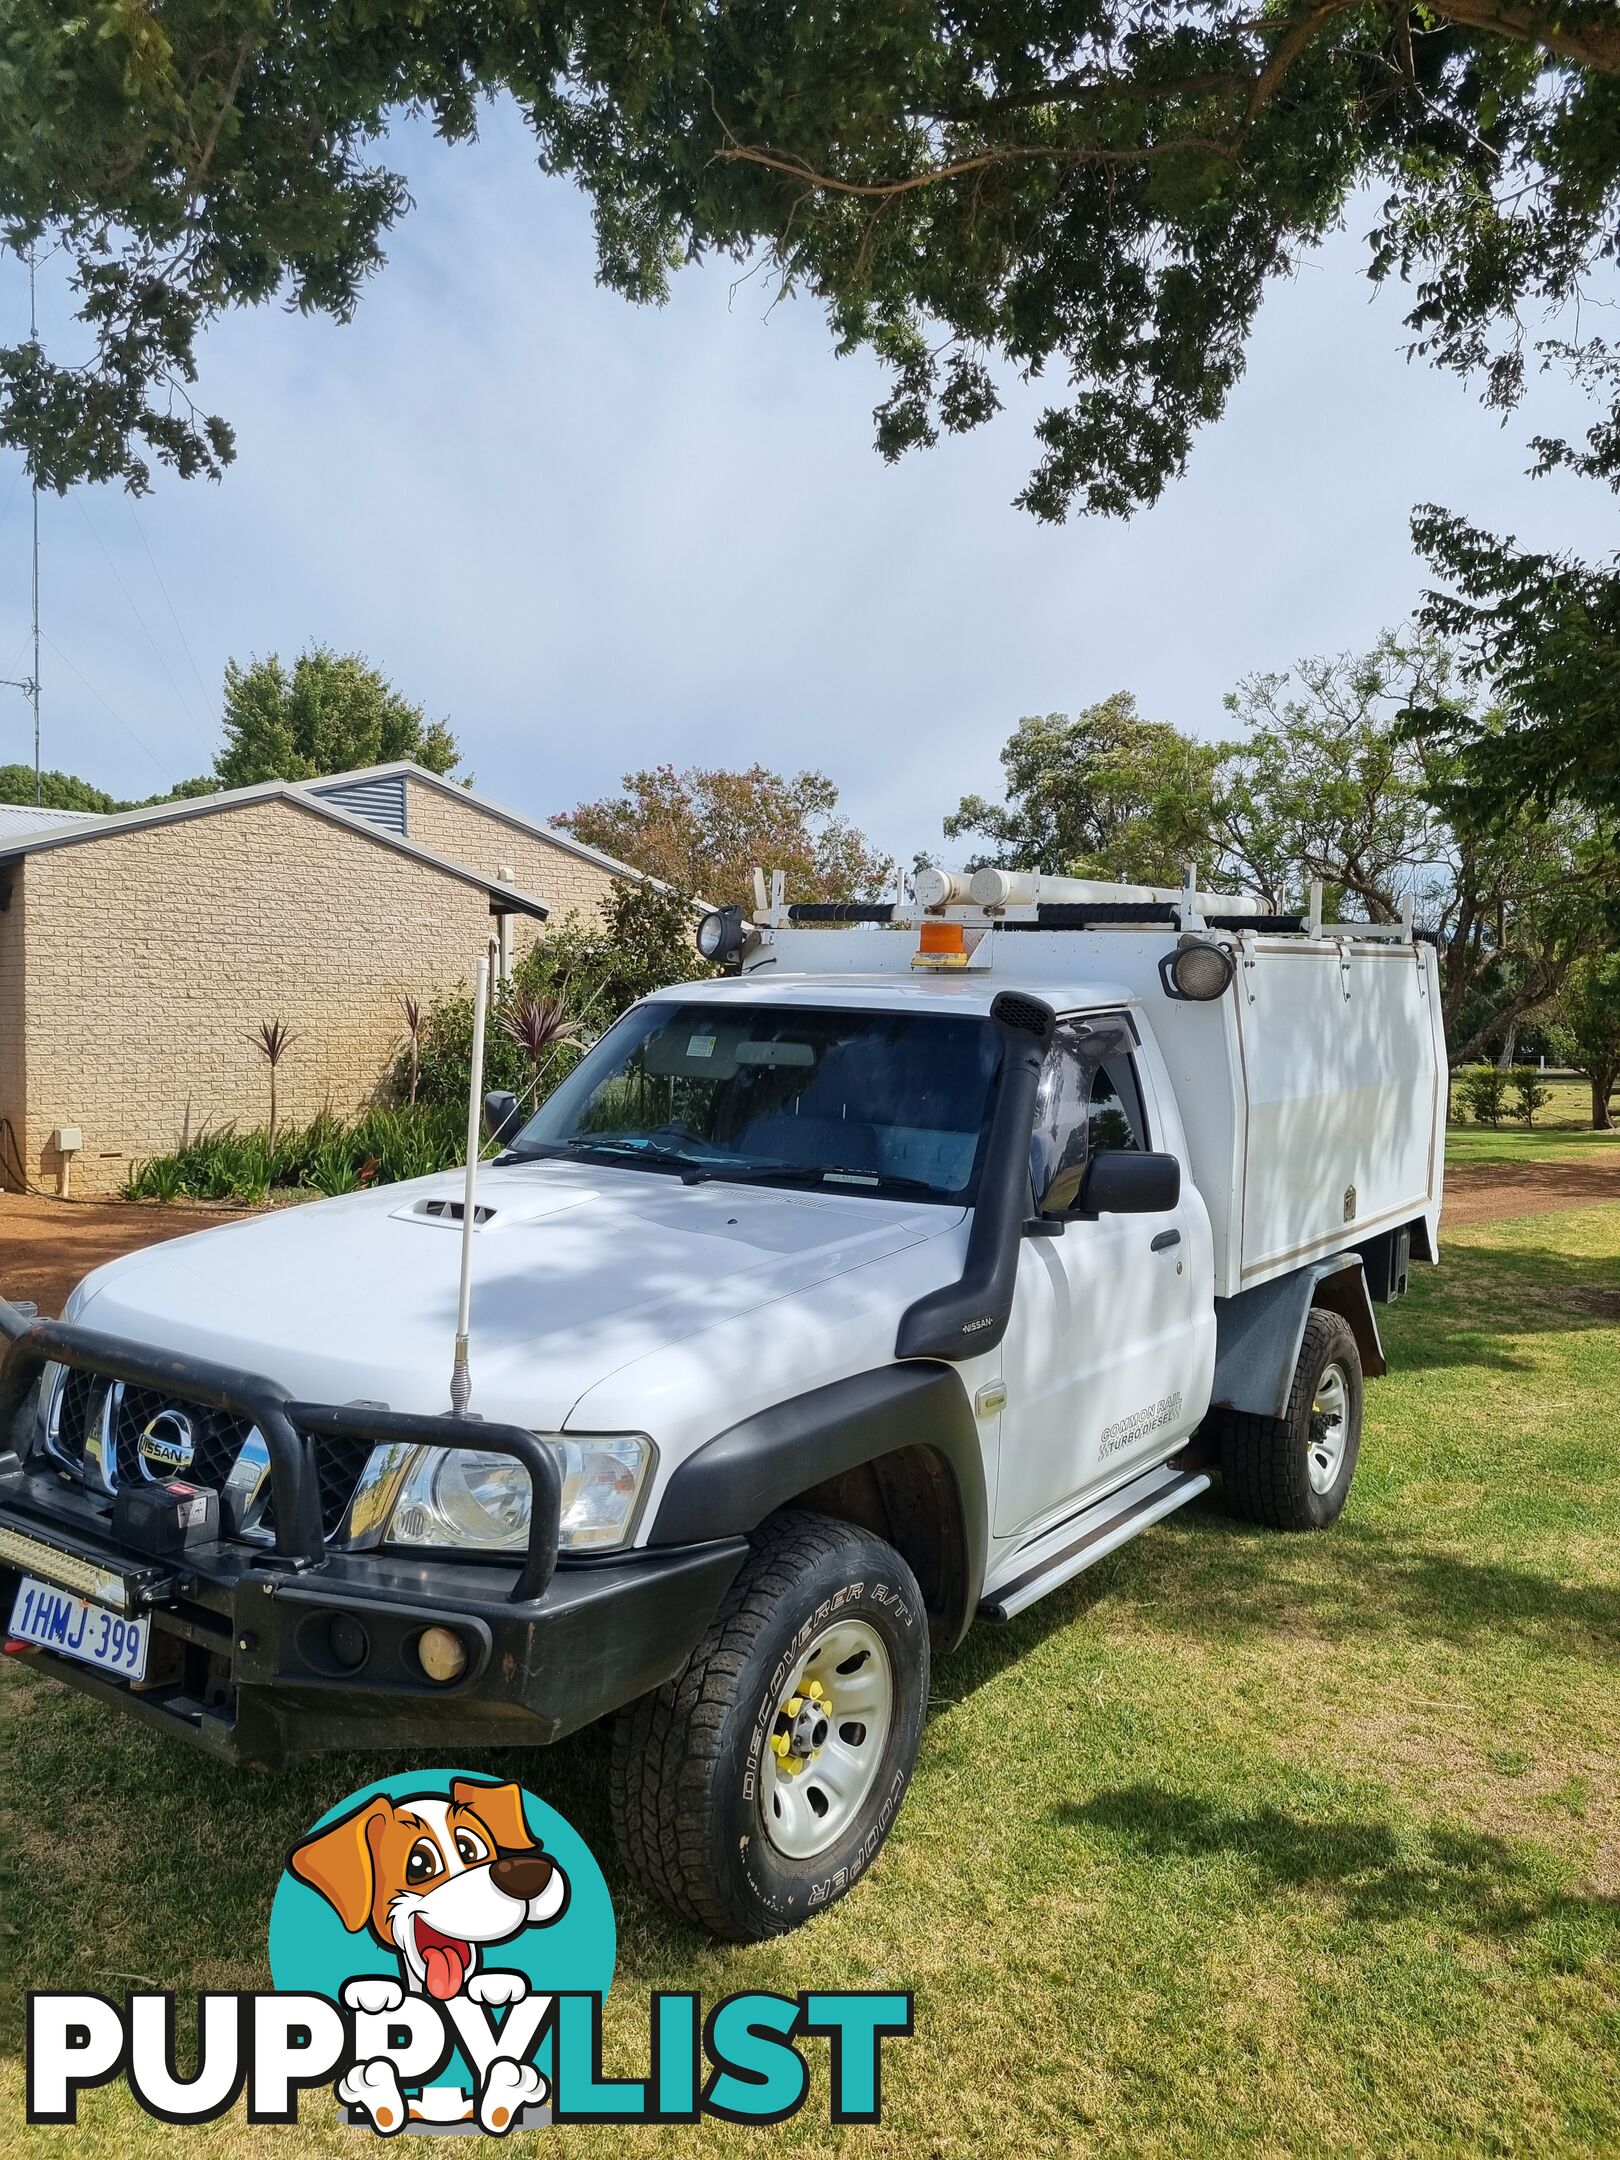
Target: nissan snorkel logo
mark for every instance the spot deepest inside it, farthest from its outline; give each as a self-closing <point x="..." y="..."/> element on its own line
<point x="167" y="1446"/>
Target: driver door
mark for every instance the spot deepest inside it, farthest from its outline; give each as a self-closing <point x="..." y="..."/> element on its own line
<point x="1102" y="1324"/>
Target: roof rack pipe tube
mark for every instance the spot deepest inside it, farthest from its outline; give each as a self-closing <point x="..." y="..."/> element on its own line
<point x="964" y="1318"/>
<point x="935" y="888"/>
<point x="1031" y="888"/>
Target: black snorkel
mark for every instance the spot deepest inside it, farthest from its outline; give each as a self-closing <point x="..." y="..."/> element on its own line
<point x="971" y="1314"/>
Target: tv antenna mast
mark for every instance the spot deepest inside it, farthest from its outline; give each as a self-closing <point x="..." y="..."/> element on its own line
<point x="29" y="686"/>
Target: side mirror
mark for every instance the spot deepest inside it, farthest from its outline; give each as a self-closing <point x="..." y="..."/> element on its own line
<point x="502" y="1116"/>
<point x="1122" y="1182"/>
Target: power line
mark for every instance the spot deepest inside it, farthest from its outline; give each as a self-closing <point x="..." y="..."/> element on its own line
<point x="118" y="716"/>
<point x="191" y="718"/>
<point x="140" y="531"/>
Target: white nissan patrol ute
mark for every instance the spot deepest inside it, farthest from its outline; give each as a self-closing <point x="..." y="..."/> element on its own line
<point x="878" y="1285"/>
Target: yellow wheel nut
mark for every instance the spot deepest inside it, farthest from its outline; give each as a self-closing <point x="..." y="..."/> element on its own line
<point x="795" y="1705"/>
<point x="815" y="1689"/>
<point x="780" y="1742"/>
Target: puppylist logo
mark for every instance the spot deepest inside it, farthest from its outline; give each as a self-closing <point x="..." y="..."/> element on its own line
<point x="440" y="1949"/>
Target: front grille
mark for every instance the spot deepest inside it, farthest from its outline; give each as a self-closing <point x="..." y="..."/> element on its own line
<point x="81" y="1399"/>
<point x="97" y="1427"/>
<point x="338" y="1464"/>
<point x="217" y="1436"/>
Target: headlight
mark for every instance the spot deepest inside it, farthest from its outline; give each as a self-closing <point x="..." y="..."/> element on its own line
<point x="469" y="1500"/>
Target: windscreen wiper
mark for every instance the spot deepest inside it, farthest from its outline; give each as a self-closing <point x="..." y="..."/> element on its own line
<point x="834" y="1175"/>
<point x="633" y="1149"/>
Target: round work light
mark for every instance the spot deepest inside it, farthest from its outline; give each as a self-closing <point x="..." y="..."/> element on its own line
<point x="1197" y="971"/>
<point x="720" y="934"/>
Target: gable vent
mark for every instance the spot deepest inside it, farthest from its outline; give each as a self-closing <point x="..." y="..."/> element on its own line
<point x="382" y="800"/>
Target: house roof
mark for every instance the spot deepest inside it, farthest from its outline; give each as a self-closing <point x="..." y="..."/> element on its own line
<point x="77" y="829"/>
<point x="453" y="788"/>
<point x="23" y="818"/>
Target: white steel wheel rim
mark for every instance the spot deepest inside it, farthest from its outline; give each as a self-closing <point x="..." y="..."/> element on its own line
<point x="807" y="1801"/>
<point x="1330" y="1428"/>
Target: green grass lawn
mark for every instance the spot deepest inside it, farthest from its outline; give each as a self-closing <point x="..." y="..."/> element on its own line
<point x="1562" y="1132"/>
<point x="1243" y="1844"/>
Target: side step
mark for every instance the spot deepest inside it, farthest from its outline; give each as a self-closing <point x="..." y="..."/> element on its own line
<point x="1096" y="1531"/>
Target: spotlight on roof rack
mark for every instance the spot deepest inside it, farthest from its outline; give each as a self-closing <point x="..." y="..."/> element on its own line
<point x="1196" y="971"/>
<point x="720" y="934"/>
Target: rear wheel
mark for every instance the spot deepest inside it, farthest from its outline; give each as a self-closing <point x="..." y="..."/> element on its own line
<point x="757" y="1785"/>
<point x="1294" y="1472"/>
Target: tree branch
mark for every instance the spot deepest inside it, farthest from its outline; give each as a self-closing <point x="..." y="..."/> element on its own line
<point x="1592" y="40"/>
<point x="985" y="161"/>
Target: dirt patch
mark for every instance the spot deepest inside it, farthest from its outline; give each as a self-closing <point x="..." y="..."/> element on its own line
<point x="47" y="1245"/>
<point x="1479" y="1192"/>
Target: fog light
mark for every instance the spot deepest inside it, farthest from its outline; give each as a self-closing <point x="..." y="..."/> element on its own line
<point x="441" y="1654"/>
<point x="348" y="1642"/>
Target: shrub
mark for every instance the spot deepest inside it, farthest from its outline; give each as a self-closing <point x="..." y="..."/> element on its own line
<point x="328" y="1155"/>
<point x="1483" y="1091"/>
<point x="1530" y="1093"/>
<point x="579" y="978"/>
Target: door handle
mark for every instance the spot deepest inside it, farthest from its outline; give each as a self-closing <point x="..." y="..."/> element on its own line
<point x="1165" y="1239"/>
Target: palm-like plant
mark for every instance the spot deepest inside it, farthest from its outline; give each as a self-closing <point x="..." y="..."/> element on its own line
<point x="540" y="1023"/>
<point x="272" y="1039"/>
<point x="413" y="1039"/>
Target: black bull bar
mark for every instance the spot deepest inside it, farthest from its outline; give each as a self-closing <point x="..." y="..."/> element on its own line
<point x="288" y="1429"/>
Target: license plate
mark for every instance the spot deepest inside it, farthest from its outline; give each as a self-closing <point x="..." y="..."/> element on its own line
<point x="73" y="1627"/>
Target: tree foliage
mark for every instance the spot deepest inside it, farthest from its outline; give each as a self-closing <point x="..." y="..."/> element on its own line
<point x="584" y="971"/>
<point x="329" y="713"/>
<point x="702" y="831"/>
<point x="1106" y="794"/>
<point x="1097" y="192"/>
<point x="1326" y="784"/>
<point x="1322" y="784"/>
<point x="1543" y="631"/>
<point x="57" y="790"/>
<point x="1590" y="1012"/>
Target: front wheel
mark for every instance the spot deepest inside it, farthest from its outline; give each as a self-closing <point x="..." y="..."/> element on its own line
<point x="758" y="1784"/>
<point x="1294" y="1472"/>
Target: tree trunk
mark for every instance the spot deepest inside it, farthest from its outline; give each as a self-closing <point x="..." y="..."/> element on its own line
<point x="1510" y="1043"/>
<point x="1602" y="1089"/>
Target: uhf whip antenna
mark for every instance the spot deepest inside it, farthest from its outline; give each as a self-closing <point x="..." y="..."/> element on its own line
<point x="29" y="685"/>
<point x="461" y="1370"/>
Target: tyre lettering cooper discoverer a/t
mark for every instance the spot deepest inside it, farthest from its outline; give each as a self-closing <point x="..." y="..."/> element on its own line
<point x="760" y="1781"/>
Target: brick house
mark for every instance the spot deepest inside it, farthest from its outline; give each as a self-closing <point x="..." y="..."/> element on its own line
<point x="138" y="952"/>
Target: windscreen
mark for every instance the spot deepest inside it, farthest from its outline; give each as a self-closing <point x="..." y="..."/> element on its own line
<point x="889" y="1103"/>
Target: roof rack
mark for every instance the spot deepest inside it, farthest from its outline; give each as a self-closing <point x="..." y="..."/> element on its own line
<point x="1027" y="900"/>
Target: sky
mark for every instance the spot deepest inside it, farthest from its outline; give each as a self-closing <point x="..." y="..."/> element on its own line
<point x="596" y="537"/>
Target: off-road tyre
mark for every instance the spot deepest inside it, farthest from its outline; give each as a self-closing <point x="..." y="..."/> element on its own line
<point x="1265" y="1462"/>
<point x="687" y="1771"/>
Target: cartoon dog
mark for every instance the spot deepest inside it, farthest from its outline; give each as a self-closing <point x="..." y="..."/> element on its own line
<point x="436" y="1880"/>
